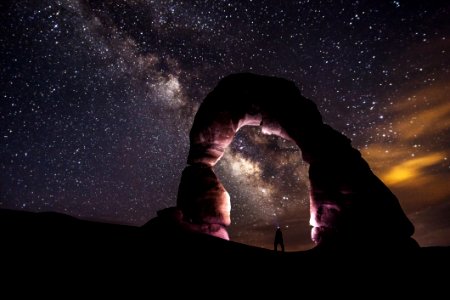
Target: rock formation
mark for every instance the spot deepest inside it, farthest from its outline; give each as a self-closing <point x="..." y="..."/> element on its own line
<point x="348" y="203"/>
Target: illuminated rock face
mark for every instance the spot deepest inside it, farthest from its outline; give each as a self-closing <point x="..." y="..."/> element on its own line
<point x="348" y="203"/>
<point x="202" y="197"/>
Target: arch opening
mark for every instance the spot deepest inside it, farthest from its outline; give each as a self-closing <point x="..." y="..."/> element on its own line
<point x="266" y="193"/>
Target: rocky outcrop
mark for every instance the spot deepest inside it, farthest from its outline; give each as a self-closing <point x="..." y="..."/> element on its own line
<point x="203" y="202"/>
<point x="348" y="203"/>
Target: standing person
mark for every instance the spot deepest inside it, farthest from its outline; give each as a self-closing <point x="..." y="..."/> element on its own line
<point x="278" y="240"/>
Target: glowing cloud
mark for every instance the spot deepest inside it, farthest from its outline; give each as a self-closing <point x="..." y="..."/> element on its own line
<point x="411" y="169"/>
<point x="430" y="120"/>
<point x="413" y="161"/>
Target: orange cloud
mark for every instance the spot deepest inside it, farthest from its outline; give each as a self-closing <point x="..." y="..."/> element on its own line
<point x="413" y="160"/>
<point x="422" y="113"/>
<point x="411" y="169"/>
<point x="430" y="120"/>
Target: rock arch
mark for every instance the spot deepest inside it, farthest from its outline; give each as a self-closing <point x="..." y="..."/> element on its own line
<point x="348" y="203"/>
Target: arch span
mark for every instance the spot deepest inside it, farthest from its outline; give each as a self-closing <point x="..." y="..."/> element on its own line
<point x="348" y="203"/>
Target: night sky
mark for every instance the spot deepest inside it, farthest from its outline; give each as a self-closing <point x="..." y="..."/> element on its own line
<point x="98" y="97"/>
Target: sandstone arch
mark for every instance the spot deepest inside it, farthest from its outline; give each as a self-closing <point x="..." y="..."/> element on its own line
<point x="348" y="203"/>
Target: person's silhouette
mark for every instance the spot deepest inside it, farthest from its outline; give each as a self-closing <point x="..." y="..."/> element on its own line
<point x="278" y="240"/>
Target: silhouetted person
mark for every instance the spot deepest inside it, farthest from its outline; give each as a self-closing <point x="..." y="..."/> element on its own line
<point x="278" y="240"/>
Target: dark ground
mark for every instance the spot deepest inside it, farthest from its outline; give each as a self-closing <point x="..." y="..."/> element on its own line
<point x="41" y="246"/>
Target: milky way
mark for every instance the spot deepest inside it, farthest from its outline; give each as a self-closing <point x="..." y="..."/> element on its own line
<point x="97" y="100"/>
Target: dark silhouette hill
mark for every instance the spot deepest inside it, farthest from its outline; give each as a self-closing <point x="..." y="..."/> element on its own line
<point x="54" y="254"/>
<point x="64" y="244"/>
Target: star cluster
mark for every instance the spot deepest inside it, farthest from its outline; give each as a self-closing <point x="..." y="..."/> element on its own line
<point x="97" y="99"/>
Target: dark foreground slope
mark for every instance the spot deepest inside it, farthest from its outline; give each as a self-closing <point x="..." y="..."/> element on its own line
<point x="51" y="243"/>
